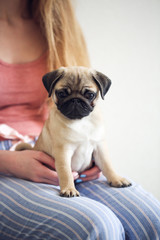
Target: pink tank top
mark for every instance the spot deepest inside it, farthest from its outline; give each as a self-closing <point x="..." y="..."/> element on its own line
<point x="22" y="96"/>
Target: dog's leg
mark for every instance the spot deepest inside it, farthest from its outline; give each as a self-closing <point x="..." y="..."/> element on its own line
<point x="63" y="167"/>
<point x="103" y="162"/>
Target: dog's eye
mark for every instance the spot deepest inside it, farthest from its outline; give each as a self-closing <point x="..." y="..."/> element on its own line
<point x="62" y="93"/>
<point x="89" y="95"/>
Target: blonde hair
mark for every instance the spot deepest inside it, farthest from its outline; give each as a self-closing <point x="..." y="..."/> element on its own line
<point x="62" y="32"/>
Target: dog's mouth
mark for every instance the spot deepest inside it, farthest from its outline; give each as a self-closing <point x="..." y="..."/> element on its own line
<point x="75" y="108"/>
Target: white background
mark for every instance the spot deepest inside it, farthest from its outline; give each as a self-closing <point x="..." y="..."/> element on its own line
<point x="123" y="39"/>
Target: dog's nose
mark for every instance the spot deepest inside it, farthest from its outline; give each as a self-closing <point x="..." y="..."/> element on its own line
<point x="75" y="100"/>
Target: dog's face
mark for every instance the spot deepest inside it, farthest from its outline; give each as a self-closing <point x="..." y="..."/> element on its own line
<point x="75" y="90"/>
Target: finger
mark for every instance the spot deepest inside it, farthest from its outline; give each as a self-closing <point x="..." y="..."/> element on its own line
<point x="47" y="181"/>
<point x="79" y="180"/>
<point x="54" y="182"/>
<point x="52" y="177"/>
<point x="94" y="177"/>
<point x="75" y="175"/>
<point x="48" y="176"/>
<point x="45" y="159"/>
<point x="90" y="172"/>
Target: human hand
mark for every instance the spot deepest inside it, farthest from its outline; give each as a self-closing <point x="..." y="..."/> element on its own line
<point x="91" y="174"/>
<point x="35" y="166"/>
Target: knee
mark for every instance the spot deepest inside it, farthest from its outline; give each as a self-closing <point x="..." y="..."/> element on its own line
<point x="151" y="223"/>
<point x="99" y="222"/>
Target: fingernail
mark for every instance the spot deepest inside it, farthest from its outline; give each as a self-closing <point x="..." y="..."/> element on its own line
<point x="82" y="176"/>
<point x="78" y="181"/>
<point x="75" y="174"/>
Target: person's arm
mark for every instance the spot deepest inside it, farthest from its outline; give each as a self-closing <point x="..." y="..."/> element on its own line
<point x="30" y="165"/>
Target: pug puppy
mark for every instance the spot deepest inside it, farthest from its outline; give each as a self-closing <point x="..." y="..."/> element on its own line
<point x="73" y="134"/>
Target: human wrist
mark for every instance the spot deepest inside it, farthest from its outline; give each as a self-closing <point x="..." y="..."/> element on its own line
<point x="7" y="161"/>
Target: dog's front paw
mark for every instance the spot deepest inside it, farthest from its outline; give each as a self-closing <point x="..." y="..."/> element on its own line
<point x="119" y="182"/>
<point x="69" y="192"/>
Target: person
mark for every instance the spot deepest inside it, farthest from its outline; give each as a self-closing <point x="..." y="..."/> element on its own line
<point x="36" y="37"/>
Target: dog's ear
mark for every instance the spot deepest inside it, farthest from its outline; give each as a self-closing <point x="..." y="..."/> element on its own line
<point x="102" y="81"/>
<point x="50" y="79"/>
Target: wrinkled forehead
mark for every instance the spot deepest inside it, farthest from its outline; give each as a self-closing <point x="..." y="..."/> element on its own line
<point x="77" y="79"/>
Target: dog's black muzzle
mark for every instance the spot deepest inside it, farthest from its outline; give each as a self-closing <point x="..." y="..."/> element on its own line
<point x="75" y="108"/>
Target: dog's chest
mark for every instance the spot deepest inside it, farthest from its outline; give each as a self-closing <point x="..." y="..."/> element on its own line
<point x="85" y="138"/>
<point x="85" y="131"/>
<point x="82" y="156"/>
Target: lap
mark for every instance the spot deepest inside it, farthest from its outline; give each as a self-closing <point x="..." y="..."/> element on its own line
<point x="35" y="211"/>
<point x="138" y="211"/>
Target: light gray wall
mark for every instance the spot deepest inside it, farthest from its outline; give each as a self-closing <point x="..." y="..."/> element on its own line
<point x="123" y="38"/>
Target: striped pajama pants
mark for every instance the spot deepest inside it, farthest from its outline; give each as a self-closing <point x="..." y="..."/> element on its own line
<point x="36" y="211"/>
